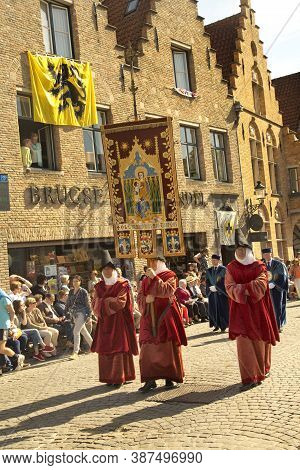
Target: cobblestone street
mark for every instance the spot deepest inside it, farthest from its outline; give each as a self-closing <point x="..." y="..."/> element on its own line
<point x="61" y="405"/>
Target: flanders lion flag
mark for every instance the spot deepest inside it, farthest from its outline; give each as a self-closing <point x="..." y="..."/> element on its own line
<point x="63" y="91"/>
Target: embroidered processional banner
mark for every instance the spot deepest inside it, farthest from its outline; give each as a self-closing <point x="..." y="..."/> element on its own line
<point x="143" y="186"/>
<point x="62" y="91"/>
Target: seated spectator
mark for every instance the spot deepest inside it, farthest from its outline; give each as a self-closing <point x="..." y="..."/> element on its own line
<point x="39" y="299"/>
<point x="64" y="281"/>
<point x="40" y="286"/>
<point x="35" y="320"/>
<point x="94" y="279"/>
<point x="200" y="313"/>
<point x="185" y="300"/>
<point x="7" y="314"/>
<point x="16" y="292"/>
<point x="25" y="285"/>
<point x="33" y="335"/>
<point x="48" y="311"/>
<point x="66" y="325"/>
<point x="17" y="342"/>
<point x="60" y="303"/>
<point x="52" y="319"/>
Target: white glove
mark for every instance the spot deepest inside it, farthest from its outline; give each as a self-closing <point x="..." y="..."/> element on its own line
<point x="271" y="285"/>
<point x="213" y="289"/>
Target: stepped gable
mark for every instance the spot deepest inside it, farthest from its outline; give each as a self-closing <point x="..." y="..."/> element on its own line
<point x="133" y="26"/>
<point x="223" y="36"/>
<point x="287" y="91"/>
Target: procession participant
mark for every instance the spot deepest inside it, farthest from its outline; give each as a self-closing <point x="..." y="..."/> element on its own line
<point x="252" y="320"/>
<point x="161" y="331"/>
<point x="217" y="297"/>
<point x="115" y="339"/>
<point x="278" y="284"/>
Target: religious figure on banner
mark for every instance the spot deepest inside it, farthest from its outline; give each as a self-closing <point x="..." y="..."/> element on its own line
<point x="141" y="194"/>
<point x="141" y="183"/>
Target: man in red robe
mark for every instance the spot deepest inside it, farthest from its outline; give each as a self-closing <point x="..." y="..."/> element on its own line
<point x="115" y="339"/>
<point x="161" y="330"/>
<point x="252" y="320"/>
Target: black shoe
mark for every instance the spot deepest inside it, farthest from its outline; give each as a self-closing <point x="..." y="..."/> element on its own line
<point x="170" y="384"/>
<point x="267" y="375"/>
<point x="117" y="385"/>
<point x="223" y="331"/>
<point x="216" y="329"/>
<point x="151" y="385"/>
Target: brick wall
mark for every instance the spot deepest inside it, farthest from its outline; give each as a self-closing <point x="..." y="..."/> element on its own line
<point x="211" y="108"/>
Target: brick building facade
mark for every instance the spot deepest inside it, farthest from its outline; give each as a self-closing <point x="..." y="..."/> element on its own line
<point x="64" y="205"/>
<point x="260" y="131"/>
<point x="288" y="94"/>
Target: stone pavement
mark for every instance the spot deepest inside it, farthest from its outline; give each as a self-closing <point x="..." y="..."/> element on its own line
<point x="60" y="405"/>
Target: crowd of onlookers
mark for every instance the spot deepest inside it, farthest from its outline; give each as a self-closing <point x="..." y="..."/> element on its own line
<point x="45" y="324"/>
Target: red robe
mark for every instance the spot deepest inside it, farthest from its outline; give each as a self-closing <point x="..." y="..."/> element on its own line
<point x="252" y="315"/>
<point x="160" y="356"/>
<point x="252" y="319"/>
<point x="115" y="339"/>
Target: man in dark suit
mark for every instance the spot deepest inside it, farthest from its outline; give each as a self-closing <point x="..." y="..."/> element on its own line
<point x="278" y="284"/>
<point x="217" y="297"/>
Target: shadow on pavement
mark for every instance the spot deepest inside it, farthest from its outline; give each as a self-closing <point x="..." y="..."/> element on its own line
<point x="202" y="335"/>
<point x="60" y="417"/>
<point x="220" y="340"/>
<point x="165" y="409"/>
<point x="39" y="405"/>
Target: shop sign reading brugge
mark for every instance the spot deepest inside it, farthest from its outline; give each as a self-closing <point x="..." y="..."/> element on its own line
<point x="62" y="195"/>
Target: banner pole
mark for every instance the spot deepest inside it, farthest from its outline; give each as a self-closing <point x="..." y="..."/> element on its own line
<point x="152" y="310"/>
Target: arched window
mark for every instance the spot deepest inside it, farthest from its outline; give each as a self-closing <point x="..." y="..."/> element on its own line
<point x="280" y="234"/>
<point x="253" y="49"/>
<point x="263" y="212"/>
<point x="258" y="92"/>
<point x="256" y="155"/>
<point x="273" y="161"/>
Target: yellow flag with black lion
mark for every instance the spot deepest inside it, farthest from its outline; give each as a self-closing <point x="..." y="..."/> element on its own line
<point x="62" y="91"/>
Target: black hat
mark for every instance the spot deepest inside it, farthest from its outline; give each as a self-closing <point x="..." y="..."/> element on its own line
<point x="160" y="255"/>
<point x="241" y="240"/>
<point x="267" y="250"/>
<point x="216" y="257"/>
<point x="106" y="260"/>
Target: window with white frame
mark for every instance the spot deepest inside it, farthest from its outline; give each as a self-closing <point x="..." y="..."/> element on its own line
<point x="189" y="152"/>
<point x="181" y="69"/>
<point x="36" y="139"/>
<point x="93" y="145"/>
<point x="218" y="149"/>
<point x="294" y="180"/>
<point x="56" y="29"/>
<point x="131" y="6"/>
